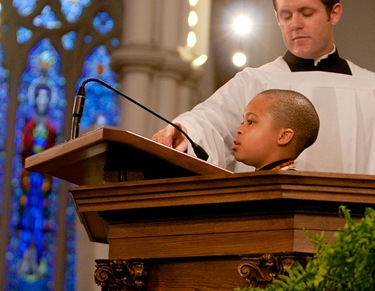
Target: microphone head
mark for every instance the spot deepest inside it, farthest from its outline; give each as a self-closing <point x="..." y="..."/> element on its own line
<point x="81" y="91"/>
<point x="78" y="106"/>
<point x="199" y="151"/>
<point x="79" y="102"/>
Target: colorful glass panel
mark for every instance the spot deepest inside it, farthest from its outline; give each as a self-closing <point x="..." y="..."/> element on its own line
<point x="31" y="253"/>
<point x="47" y="19"/>
<point x="87" y="39"/>
<point x="4" y="101"/>
<point x="115" y="42"/>
<point x="23" y="7"/>
<point x="102" y="105"/>
<point x="72" y="9"/>
<point x="68" y="40"/>
<point x="23" y="35"/>
<point x="70" y="260"/>
<point x="103" y="23"/>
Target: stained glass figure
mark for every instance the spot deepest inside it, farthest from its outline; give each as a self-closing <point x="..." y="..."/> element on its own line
<point x="33" y="223"/>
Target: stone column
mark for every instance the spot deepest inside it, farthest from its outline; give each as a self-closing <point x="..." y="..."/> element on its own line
<point x="151" y="70"/>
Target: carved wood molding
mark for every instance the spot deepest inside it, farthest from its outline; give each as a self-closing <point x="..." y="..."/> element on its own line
<point x="260" y="271"/>
<point x="117" y="275"/>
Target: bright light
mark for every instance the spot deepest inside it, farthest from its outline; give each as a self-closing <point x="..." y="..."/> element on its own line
<point x="239" y="59"/>
<point x="242" y="24"/>
<point x="193" y="18"/>
<point x="191" y="39"/>
<point x="200" y="60"/>
<point x="193" y="2"/>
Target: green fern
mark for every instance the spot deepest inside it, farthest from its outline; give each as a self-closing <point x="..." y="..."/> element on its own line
<point x="346" y="264"/>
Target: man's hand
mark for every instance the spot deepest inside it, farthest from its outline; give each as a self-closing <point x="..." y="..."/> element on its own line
<point x="172" y="137"/>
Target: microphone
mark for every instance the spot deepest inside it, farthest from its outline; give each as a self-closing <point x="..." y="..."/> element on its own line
<point x="79" y="103"/>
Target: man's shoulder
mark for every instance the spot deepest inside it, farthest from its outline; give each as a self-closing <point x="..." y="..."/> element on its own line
<point x="273" y="67"/>
<point x="361" y="72"/>
<point x="278" y="64"/>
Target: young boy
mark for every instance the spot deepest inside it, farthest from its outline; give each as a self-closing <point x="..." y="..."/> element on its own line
<point x="277" y="126"/>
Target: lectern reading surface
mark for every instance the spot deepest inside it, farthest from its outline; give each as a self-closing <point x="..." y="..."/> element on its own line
<point x="113" y="155"/>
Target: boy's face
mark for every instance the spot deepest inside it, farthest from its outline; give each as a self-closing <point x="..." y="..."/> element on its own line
<point x="257" y="137"/>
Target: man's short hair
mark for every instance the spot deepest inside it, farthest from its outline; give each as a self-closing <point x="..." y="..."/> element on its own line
<point x="327" y="3"/>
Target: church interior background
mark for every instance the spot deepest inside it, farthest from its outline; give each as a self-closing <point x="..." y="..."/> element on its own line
<point x="49" y="47"/>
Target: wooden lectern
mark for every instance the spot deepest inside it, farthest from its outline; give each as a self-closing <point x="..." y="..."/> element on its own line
<point x="174" y="222"/>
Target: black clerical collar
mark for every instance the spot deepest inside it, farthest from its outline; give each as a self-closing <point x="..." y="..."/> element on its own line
<point x="332" y="64"/>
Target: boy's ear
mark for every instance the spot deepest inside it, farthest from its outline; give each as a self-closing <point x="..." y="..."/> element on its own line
<point x="285" y="136"/>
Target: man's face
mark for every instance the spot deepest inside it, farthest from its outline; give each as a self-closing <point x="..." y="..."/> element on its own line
<point x="306" y="27"/>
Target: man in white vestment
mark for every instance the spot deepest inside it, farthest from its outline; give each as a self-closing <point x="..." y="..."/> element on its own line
<point x="342" y="93"/>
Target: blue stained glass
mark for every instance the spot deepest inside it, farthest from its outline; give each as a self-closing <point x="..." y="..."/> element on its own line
<point x="4" y="101"/>
<point x="47" y="19"/>
<point x="4" y="27"/>
<point x="72" y="9"/>
<point x="23" y="35"/>
<point x="102" y="105"/>
<point x="87" y="39"/>
<point x="103" y="23"/>
<point x="70" y="260"/>
<point x="30" y="258"/>
<point x="31" y="253"/>
<point x="115" y="42"/>
<point x="24" y="7"/>
<point x="68" y="40"/>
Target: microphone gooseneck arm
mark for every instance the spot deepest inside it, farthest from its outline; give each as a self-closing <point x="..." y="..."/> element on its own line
<point x="198" y="150"/>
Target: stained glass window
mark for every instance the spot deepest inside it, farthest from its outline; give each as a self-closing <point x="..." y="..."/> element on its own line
<point x="23" y="35"/>
<point x="68" y="40"/>
<point x="4" y="101"/>
<point x="24" y="8"/>
<point x="33" y="222"/>
<point x="46" y="68"/>
<point x="47" y="19"/>
<point x="72" y="9"/>
<point x="101" y="106"/>
<point x="103" y="23"/>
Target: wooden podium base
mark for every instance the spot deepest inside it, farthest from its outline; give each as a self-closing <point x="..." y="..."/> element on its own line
<point x="224" y="273"/>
